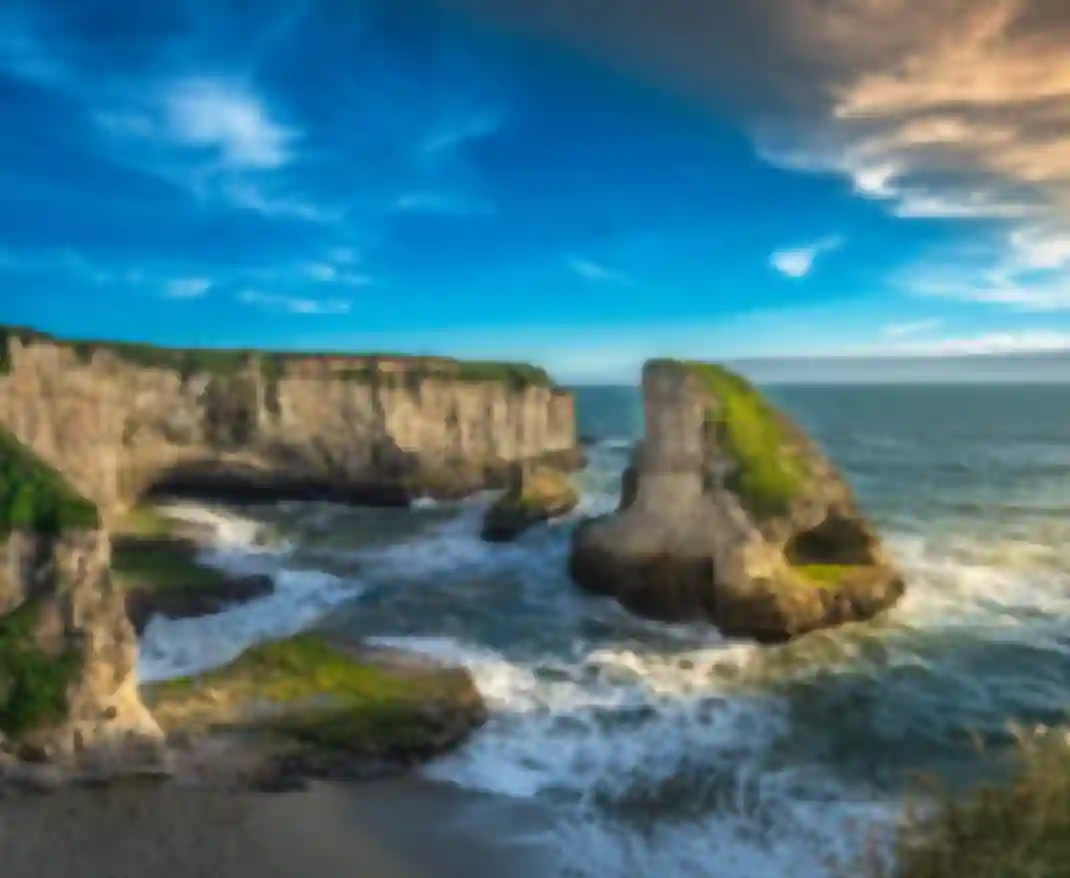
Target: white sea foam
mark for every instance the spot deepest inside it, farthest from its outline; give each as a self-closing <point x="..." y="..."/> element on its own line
<point x="615" y="735"/>
<point x="175" y="647"/>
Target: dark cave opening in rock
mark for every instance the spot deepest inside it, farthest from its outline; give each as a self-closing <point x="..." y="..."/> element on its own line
<point x="837" y="540"/>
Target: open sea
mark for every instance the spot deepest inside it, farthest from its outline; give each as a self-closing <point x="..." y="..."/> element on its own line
<point x="670" y="751"/>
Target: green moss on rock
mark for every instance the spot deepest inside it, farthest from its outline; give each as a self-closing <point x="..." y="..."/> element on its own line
<point x="317" y="694"/>
<point x="825" y="576"/>
<point x="769" y="474"/>
<point x="33" y="684"/>
<point x="35" y="497"/>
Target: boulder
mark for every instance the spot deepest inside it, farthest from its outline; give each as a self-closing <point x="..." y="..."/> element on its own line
<point x="536" y="494"/>
<point x="731" y="513"/>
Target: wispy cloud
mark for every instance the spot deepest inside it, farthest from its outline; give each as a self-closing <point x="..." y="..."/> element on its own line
<point x="798" y="262"/>
<point x="295" y="304"/>
<point x="229" y="118"/>
<point x="440" y="204"/>
<point x="596" y="272"/>
<point x="1028" y="341"/>
<point x="916" y="327"/>
<point x="328" y="273"/>
<point x="187" y="288"/>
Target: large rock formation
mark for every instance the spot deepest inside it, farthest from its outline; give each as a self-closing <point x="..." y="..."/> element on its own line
<point x="730" y="512"/>
<point x="536" y="494"/>
<point x="123" y="420"/>
<point x="68" y="688"/>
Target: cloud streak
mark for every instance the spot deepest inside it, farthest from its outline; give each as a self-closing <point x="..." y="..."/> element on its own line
<point x="596" y="272"/>
<point x="295" y="304"/>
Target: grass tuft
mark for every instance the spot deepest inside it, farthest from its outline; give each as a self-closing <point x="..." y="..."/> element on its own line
<point x="1017" y="828"/>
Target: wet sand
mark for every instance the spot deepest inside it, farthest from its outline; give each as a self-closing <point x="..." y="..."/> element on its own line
<point x="390" y="829"/>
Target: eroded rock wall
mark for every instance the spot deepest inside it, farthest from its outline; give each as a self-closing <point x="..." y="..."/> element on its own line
<point x="351" y="429"/>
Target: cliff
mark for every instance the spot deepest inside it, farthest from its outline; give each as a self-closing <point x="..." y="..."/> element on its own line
<point x="730" y="512"/>
<point x="67" y="651"/>
<point x="120" y="421"/>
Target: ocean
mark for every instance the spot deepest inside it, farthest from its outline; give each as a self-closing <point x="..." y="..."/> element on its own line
<point x="669" y="750"/>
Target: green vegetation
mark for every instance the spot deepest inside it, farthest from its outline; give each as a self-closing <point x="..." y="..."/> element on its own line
<point x="33" y="684"/>
<point x="826" y="576"/>
<point x="274" y="364"/>
<point x="155" y="566"/>
<point x="35" y="497"/>
<point x="335" y="700"/>
<point x="1019" y="828"/>
<point x="769" y="475"/>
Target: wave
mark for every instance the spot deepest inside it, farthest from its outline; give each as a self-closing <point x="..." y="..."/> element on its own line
<point x="176" y="647"/>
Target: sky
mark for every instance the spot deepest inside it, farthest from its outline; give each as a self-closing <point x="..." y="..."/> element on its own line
<point x="580" y="183"/>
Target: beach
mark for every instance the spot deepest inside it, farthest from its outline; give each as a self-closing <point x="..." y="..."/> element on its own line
<point x="400" y="828"/>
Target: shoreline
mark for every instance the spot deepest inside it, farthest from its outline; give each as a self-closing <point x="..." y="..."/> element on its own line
<point x="406" y="827"/>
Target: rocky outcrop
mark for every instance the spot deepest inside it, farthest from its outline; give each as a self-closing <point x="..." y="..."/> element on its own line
<point x="68" y="687"/>
<point x="122" y="421"/>
<point x="314" y="706"/>
<point x="536" y="494"/>
<point x="731" y="513"/>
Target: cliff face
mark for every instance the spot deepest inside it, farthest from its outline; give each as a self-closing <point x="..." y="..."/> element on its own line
<point x="67" y="651"/>
<point x="119" y="422"/>
<point x="730" y="512"/>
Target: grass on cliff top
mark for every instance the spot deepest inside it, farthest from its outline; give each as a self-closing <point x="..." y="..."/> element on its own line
<point x="35" y="497"/>
<point x="337" y="700"/>
<point x="273" y="364"/>
<point x="769" y="476"/>
<point x="1017" y="828"/>
<point x="33" y="685"/>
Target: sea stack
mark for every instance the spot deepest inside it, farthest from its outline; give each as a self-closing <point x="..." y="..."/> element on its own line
<point x="68" y="654"/>
<point x="731" y="513"/>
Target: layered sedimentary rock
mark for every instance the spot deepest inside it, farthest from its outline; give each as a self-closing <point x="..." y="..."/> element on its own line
<point x="730" y="512"/>
<point x="119" y="421"/>
<point x="68" y="687"/>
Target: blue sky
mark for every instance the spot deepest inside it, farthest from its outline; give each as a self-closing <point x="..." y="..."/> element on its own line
<point x="351" y="175"/>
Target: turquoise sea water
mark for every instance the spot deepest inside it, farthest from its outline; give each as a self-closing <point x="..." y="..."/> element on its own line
<point x="668" y="750"/>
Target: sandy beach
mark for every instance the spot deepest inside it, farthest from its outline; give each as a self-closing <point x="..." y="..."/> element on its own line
<point x="390" y="829"/>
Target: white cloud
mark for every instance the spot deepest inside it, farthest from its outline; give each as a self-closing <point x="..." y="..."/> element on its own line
<point x="227" y="117"/>
<point x="798" y="262"/>
<point x="596" y="272"/>
<point x="294" y="304"/>
<point x="917" y="327"/>
<point x="187" y="288"/>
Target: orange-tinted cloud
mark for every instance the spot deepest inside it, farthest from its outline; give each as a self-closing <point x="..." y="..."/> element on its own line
<point x="941" y="108"/>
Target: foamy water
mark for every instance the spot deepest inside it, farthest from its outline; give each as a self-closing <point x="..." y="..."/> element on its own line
<point x="667" y="750"/>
